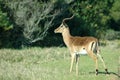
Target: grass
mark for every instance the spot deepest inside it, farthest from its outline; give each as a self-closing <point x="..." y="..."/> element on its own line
<point x="53" y="63"/>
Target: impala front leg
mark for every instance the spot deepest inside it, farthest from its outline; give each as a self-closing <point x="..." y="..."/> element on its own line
<point x="72" y="61"/>
<point x="77" y="59"/>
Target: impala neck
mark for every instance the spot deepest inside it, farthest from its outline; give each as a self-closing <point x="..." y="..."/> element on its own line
<point x="66" y="37"/>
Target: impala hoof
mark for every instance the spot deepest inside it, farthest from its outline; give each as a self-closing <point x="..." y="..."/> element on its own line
<point x="96" y="72"/>
<point x="106" y="70"/>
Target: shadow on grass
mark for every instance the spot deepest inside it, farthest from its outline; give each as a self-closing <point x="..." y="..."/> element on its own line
<point x="109" y="73"/>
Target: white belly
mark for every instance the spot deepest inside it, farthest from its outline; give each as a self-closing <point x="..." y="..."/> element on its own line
<point x="82" y="52"/>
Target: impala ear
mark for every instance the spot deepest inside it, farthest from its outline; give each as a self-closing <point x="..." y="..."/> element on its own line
<point x="65" y="25"/>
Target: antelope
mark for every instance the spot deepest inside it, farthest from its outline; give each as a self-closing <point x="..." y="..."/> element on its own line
<point x="77" y="45"/>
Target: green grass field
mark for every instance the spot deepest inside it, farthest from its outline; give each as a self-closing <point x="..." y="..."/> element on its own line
<point x="53" y="63"/>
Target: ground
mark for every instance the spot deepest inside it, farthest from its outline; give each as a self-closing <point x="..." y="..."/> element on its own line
<point x="53" y="63"/>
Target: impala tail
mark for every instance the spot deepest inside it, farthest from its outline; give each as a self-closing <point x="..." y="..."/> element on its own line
<point x="95" y="47"/>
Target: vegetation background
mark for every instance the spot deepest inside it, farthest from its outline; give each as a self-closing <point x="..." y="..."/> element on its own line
<point x="29" y="49"/>
<point x="32" y="22"/>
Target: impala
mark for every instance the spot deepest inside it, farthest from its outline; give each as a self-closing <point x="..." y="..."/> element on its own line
<point x="78" y="45"/>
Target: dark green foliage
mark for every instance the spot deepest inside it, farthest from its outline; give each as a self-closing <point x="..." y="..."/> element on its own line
<point x="115" y="14"/>
<point x="4" y="19"/>
<point x="32" y="22"/>
<point x="5" y="26"/>
<point x="94" y="16"/>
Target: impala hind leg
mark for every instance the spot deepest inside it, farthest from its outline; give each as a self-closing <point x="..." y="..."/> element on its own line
<point x="101" y="58"/>
<point x="94" y="57"/>
<point x="96" y="63"/>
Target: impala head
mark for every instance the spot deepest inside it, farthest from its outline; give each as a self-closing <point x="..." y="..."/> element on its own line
<point x="63" y="26"/>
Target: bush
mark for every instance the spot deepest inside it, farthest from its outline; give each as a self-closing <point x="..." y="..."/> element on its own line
<point x="111" y="34"/>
